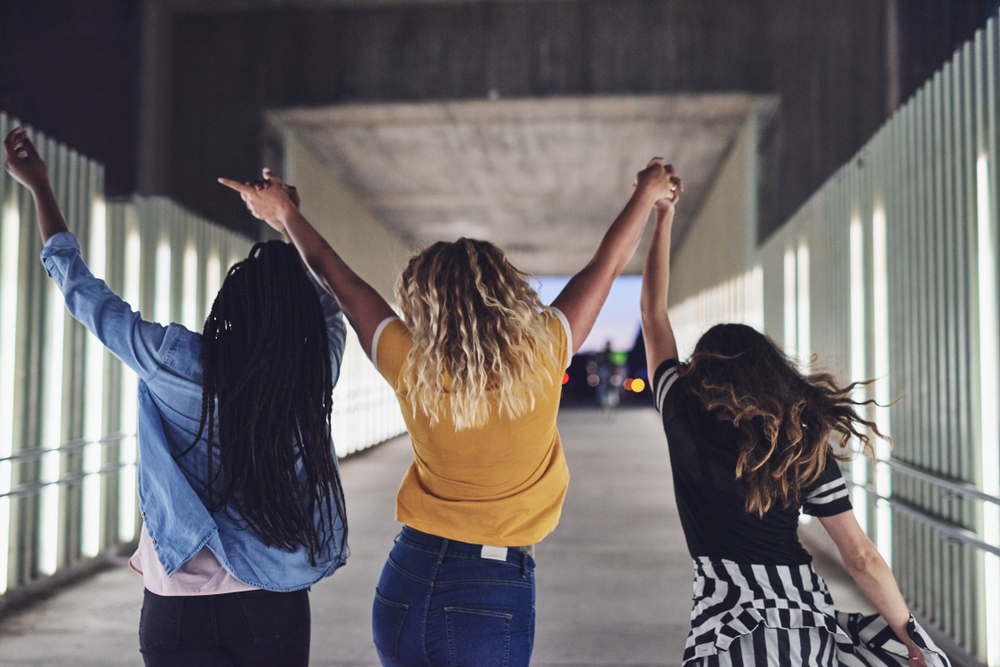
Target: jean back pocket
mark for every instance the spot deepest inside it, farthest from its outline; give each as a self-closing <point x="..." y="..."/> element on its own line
<point x="478" y="638"/>
<point x="387" y="623"/>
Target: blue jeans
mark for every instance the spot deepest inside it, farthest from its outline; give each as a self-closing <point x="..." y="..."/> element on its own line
<point x="246" y="629"/>
<point x="440" y="603"/>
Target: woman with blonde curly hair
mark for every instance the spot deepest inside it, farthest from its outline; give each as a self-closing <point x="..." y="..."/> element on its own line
<point x="750" y="441"/>
<point x="477" y="365"/>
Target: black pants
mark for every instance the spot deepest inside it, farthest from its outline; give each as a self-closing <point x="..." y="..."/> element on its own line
<point x="250" y="629"/>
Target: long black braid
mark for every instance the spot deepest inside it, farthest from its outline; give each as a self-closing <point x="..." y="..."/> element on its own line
<point x="266" y="368"/>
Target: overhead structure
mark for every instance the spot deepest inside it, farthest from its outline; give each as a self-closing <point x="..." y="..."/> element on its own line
<point x="543" y="178"/>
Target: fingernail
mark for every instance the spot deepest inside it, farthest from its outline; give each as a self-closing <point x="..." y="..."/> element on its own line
<point x="220" y="180"/>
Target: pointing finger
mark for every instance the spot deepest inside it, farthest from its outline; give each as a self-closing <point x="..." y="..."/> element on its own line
<point x="236" y="185"/>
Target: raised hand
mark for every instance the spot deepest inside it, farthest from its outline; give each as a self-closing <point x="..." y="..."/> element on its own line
<point x="27" y="167"/>
<point x="270" y="204"/>
<point x="662" y="181"/>
<point x="23" y="162"/>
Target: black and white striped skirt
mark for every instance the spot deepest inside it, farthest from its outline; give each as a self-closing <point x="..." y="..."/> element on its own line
<point x="781" y="615"/>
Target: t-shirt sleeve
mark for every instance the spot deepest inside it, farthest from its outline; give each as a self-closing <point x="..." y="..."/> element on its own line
<point x="390" y="346"/>
<point x="664" y="380"/>
<point x="828" y="495"/>
<point x="564" y="336"/>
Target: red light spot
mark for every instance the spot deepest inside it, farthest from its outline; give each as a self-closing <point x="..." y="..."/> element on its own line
<point x="627" y="384"/>
<point x="565" y="378"/>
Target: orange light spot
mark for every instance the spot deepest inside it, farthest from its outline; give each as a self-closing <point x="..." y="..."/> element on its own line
<point x="627" y="384"/>
<point x="638" y="385"/>
<point x="565" y="378"/>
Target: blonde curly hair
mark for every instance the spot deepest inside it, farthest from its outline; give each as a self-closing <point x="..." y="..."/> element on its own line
<point x="477" y="326"/>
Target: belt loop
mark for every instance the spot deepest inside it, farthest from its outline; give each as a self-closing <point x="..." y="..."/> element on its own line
<point x="443" y="550"/>
<point x="524" y="564"/>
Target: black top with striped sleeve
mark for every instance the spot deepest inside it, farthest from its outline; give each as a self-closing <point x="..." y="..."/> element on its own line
<point x="711" y="501"/>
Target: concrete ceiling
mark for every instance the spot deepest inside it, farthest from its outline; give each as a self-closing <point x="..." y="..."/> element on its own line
<point x="543" y="178"/>
<point x="195" y="6"/>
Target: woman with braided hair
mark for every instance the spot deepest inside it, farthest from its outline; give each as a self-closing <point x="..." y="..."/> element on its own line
<point x="750" y="447"/>
<point x="238" y="482"/>
<point x="477" y="366"/>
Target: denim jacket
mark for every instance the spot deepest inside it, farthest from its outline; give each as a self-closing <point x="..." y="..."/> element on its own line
<point x="172" y="490"/>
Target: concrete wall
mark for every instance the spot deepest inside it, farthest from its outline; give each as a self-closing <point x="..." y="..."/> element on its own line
<point x="722" y="239"/>
<point x="372" y="251"/>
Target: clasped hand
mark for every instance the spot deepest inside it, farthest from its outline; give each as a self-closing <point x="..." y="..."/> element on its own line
<point x="662" y="182"/>
<point x="267" y="203"/>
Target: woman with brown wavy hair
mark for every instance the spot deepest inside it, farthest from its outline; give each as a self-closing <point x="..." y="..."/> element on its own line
<point x="750" y="447"/>
<point x="477" y="364"/>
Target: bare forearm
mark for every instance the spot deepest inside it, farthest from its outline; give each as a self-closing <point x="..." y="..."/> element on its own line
<point x="50" y="218"/>
<point x="582" y="298"/>
<point x="622" y="238"/>
<point x="656" y="330"/>
<point x="656" y="273"/>
<point x="363" y="306"/>
<point x="874" y="578"/>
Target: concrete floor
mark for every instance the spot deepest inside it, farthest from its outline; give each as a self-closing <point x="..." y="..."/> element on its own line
<point x="614" y="580"/>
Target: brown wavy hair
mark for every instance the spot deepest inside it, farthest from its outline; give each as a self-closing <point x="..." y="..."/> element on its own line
<point x="784" y="419"/>
<point x="477" y="325"/>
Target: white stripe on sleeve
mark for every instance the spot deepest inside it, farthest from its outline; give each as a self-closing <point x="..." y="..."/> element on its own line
<point x="569" y="335"/>
<point x="378" y="333"/>
<point x="828" y="499"/>
<point x="666" y="382"/>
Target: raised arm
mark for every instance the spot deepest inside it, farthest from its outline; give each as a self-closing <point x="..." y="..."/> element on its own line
<point x="873" y="576"/>
<point x="362" y="304"/>
<point x="26" y="167"/>
<point x="584" y="295"/>
<point x="130" y="338"/>
<point x="656" y="330"/>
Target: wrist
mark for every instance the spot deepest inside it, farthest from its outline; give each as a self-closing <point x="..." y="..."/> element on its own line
<point x="42" y="188"/>
<point x="285" y="213"/>
<point x="646" y="194"/>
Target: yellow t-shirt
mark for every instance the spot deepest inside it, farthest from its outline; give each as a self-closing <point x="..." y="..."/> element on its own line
<point x="501" y="484"/>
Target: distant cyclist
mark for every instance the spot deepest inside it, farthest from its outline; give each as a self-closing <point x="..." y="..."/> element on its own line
<point x="610" y="377"/>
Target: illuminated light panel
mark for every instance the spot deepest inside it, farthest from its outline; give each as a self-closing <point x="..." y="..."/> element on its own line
<point x="190" y="316"/>
<point x="213" y="280"/>
<point x="93" y="420"/>
<point x="791" y="327"/>
<point x="127" y="452"/>
<point x="162" y="298"/>
<point x="859" y="467"/>
<point x="740" y="299"/>
<point x="755" y="316"/>
<point x="803" y="342"/>
<point x="880" y="328"/>
<point x="51" y="460"/>
<point x="989" y="358"/>
<point x="10" y="227"/>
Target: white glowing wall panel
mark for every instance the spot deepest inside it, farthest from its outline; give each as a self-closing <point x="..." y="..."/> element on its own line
<point x="69" y="468"/>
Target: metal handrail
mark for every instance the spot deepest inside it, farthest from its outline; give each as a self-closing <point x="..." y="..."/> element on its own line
<point x="959" y="488"/>
<point x="963" y="535"/>
<point x="32" y="488"/>
<point x="71" y="446"/>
